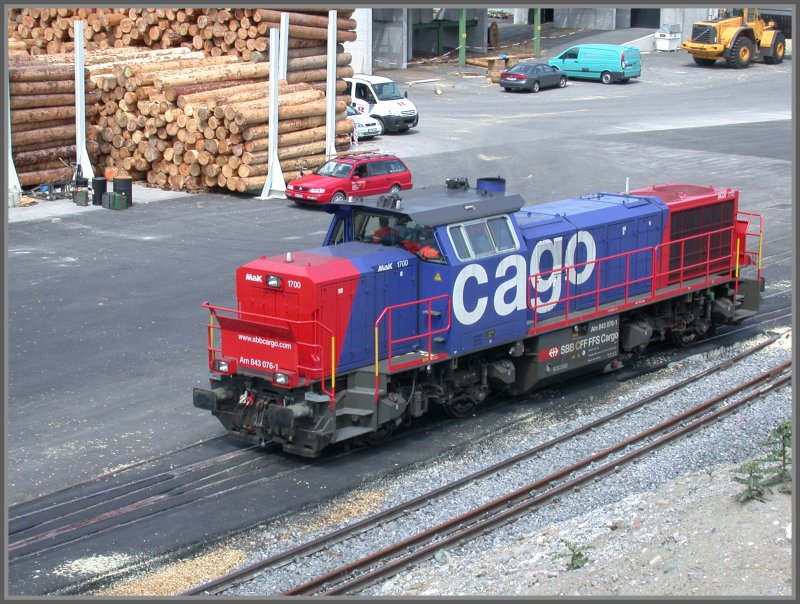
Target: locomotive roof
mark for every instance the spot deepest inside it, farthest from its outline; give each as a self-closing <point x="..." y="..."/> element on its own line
<point x="440" y="206"/>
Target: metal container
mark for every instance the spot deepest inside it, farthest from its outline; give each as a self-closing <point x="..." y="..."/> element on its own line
<point x="82" y="197"/>
<point x="491" y="185"/>
<point x="124" y="185"/>
<point x="14" y="197"/>
<point x="99" y="187"/>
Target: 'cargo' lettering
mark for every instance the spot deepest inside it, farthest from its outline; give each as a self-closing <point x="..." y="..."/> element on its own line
<point x="511" y="276"/>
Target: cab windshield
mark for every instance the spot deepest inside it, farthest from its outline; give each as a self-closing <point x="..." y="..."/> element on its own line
<point x="388" y="91"/>
<point x="396" y="230"/>
<point x="335" y="169"/>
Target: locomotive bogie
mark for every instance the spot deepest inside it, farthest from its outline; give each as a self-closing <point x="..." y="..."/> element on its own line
<point x="466" y="294"/>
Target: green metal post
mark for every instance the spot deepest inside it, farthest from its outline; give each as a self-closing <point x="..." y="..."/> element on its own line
<point x="462" y="37"/>
<point x="537" y="31"/>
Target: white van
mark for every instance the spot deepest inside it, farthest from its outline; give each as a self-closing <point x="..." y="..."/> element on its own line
<point x="381" y="98"/>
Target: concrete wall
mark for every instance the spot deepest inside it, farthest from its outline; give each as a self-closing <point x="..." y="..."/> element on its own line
<point x="391" y="38"/>
<point x="603" y="19"/>
<point x="361" y="49"/>
<point x="622" y="18"/>
<point x="684" y="17"/>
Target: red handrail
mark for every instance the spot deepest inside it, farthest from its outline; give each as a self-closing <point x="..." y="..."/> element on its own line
<point x="711" y="269"/>
<point x="392" y="341"/>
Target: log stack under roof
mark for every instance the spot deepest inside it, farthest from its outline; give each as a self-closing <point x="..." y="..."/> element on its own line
<point x="175" y="104"/>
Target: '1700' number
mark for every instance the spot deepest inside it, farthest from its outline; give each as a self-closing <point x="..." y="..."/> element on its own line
<point x="259" y="363"/>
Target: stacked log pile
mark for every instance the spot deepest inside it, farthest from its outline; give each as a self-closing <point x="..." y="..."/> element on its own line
<point x="193" y="115"/>
<point x="42" y="110"/>
<point x="218" y="31"/>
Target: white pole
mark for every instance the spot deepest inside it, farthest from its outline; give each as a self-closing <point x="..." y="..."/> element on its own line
<point x="284" y="45"/>
<point x="80" y="103"/>
<point x="275" y="185"/>
<point x="330" y="87"/>
<point x="13" y="179"/>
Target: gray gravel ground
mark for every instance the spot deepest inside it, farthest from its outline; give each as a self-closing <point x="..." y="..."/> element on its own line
<point x="668" y="525"/>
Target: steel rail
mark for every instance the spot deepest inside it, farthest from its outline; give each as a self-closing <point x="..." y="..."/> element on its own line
<point x="81" y="505"/>
<point x="236" y="576"/>
<point x="393" y="559"/>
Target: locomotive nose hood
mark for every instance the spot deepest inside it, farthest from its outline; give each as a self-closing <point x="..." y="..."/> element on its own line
<point x="308" y="314"/>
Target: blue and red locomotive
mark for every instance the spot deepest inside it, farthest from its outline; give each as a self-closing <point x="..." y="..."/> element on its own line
<point x="442" y="297"/>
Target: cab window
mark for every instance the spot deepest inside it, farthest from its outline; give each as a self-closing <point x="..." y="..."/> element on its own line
<point x="364" y="93"/>
<point x="502" y="234"/>
<point x="337" y="232"/>
<point x="482" y="238"/>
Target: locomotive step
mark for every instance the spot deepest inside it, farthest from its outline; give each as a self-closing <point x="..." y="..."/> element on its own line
<point x="349" y="432"/>
<point x="353" y="411"/>
<point x="365" y="390"/>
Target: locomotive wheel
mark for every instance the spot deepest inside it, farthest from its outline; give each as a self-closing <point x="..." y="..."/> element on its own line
<point x="741" y="53"/>
<point x="778" y="50"/>
<point x="461" y="408"/>
<point x="378" y="436"/>
<point x="684" y="338"/>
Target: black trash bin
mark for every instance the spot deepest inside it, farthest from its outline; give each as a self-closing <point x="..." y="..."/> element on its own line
<point x="99" y="186"/>
<point x="124" y="185"/>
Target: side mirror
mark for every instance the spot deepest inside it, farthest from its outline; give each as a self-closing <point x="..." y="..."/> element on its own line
<point x="405" y="94"/>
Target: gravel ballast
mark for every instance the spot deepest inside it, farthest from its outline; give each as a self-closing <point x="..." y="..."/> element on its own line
<point x="641" y="505"/>
<point x="670" y="524"/>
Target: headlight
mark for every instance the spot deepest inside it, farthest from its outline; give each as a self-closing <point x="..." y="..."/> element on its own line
<point x="317" y="190"/>
<point x="281" y="379"/>
<point x="273" y="281"/>
<point x="221" y="366"/>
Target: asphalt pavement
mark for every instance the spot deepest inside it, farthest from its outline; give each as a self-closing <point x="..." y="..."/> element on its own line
<point x="106" y="334"/>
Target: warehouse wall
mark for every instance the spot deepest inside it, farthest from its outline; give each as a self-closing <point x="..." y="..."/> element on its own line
<point x="391" y="38"/>
<point x="361" y="49"/>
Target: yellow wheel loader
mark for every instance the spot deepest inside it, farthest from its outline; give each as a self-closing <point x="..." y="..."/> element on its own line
<point x="738" y="40"/>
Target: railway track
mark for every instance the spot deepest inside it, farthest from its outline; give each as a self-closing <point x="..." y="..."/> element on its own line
<point x="367" y="571"/>
<point x="358" y="574"/>
<point x="60" y="519"/>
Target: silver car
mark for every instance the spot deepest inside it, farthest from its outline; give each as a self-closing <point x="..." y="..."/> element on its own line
<point x="366" y="126"/>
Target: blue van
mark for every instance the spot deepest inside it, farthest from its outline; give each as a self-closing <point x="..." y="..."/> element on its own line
<point x="605" y="62"/>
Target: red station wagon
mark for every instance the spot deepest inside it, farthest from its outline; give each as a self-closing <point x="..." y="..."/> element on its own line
<point x="351" y="176"/>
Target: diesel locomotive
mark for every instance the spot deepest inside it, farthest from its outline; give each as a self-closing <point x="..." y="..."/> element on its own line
<point x="442" y="297"/>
